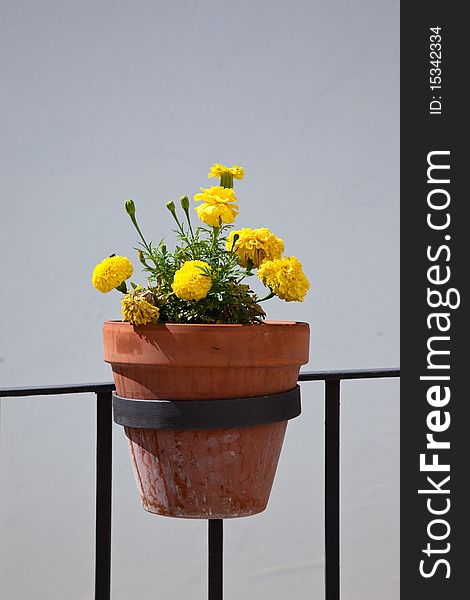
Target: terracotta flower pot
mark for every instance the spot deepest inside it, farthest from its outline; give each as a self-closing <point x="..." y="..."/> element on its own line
<point x="205" y="473"/>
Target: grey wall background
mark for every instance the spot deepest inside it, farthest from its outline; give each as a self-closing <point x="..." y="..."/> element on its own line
<point x="107" y="100"/>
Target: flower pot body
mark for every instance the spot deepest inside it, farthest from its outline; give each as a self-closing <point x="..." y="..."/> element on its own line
<point x="215" y="473"/>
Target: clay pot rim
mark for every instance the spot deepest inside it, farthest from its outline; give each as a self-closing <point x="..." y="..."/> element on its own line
<point x="211" y="325"/>
<point x="271" y="344"/>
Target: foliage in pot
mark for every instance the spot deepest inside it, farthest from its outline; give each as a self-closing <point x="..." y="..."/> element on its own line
<point x="198" y="332"/>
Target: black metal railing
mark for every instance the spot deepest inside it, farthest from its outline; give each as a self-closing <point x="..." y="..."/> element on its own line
<point x="104" y="425"/>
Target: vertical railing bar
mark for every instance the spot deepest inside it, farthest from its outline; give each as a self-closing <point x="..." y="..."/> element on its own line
<point x="0" y="426"/>
<point x="215" y="559"/>
<point x="332" y="489"/>
<point x="104" y="431"/>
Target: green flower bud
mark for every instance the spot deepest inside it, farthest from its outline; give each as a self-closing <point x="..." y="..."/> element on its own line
<point x="184" y="202"/>
<point x="140" y="254"/>
<point x="236" y="237"/>
<point x="171" y="207"/>
<point x="130" y="207"/>
<point x="226" y="180"/>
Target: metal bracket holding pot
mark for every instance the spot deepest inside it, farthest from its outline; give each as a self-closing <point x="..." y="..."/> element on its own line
<point x="206" y="414"/>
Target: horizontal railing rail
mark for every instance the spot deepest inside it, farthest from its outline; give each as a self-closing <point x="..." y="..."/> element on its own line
<point x="104" y="426"/>
<point x="56" y="390"/>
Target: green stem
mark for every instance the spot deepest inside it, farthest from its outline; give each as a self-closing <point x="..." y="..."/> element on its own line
<point x="180" y="227"/>
<point x="189" y="222"/>
<point x="270" y="295"/>
<point x="183" y="234"/>
<point x="215" y="234"/>
<point x="134" y="221"/>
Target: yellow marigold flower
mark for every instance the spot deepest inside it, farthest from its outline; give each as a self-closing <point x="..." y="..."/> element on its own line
<point x="256" y="245"/>
<point x="217" y="203"/>
<point x="192" y="281"/>
<point x="137" y="310"/>
<point x="111" y="272"/>
<point x="236" y="171"/>
<point x="285" y="278"/>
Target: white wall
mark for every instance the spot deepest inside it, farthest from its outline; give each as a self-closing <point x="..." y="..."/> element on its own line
<point x="106" y="100"/>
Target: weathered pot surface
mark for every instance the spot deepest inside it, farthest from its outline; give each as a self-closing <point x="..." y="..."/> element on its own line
<point x="221" y="473"/>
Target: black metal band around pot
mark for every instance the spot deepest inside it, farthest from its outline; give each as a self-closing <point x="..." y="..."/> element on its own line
<point x="206" y="414"/>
